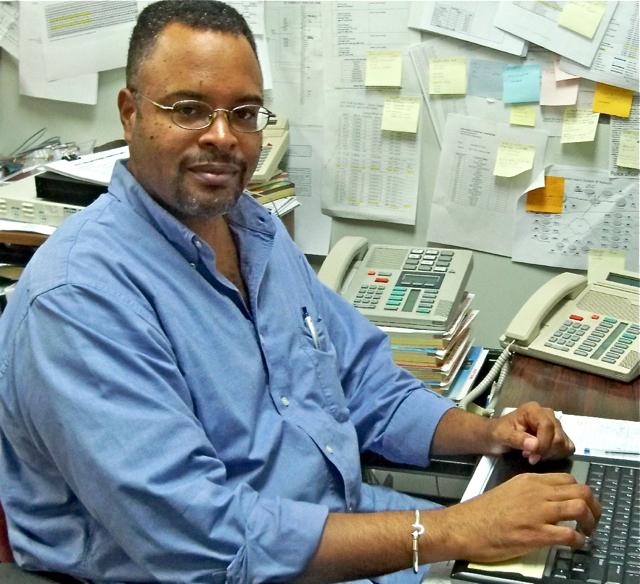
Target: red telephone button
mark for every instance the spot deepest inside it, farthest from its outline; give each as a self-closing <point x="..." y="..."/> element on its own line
<point x="385" y="280"/>
<point x="595" y="316"/>
<point x="576" y="317"/>
<point x="371" y="273"/>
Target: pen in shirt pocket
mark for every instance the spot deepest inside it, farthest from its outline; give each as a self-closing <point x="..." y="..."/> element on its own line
<point x="311" y="326"/>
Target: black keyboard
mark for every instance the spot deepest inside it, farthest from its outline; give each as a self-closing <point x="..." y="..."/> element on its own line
<point x="612" y="553"/>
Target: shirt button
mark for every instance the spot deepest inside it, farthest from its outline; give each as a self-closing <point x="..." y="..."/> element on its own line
<point x="350" y="509"/>
<point x="198" y="243"/>
<point x="285" y="401"/>
<point x="192" y="265"/>
<point x="329" y="449"/>
<point x="262" y="339"/>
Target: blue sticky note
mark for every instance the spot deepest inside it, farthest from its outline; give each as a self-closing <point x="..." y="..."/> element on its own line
<point x="521" y="83"/>
<point x="485" y="78"/>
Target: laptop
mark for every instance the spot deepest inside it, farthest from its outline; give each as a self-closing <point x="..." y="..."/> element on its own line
<point x="612" y="553"/>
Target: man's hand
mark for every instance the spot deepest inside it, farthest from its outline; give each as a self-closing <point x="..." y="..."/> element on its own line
<point x="532" y="429"/>
<point x="518" y="517"/>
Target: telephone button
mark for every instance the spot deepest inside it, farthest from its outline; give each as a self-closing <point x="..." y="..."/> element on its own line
<point x="581" y="353"/>
<point x="608" y="360"/>
<point x="385" y="274"/>
<point x="576" y="317"/>
<point x="595" y="316"/>
<point x="371" y="273"/>
<point x="381" y="280"/>
<point x="611" y="320"/>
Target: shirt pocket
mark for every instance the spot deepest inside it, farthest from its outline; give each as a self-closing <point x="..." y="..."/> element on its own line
<point x="326" y="368"/>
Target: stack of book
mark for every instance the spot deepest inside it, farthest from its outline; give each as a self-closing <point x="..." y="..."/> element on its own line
<point x="277" y="187"/>
<point x="435" y="357"/>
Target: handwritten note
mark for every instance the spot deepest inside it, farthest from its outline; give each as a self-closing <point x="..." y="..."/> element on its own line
<point x="514" y="158"/>
<point x="523" y="115"/>
<point x="384" y="69"/>
<point x="521" y="83"/>
<point x="549" y="198"/>
<point x="401" y="113"/>
<point x="579" y="125"/>
<point x="628" y="149"/>
<point x="602" y="261"/>
<point x="448" y="76"/>
<point x="582" y="17"/>
<point x="612" y="100"/>
<point x="485" y="78"/>
<point x="553" y="92"/>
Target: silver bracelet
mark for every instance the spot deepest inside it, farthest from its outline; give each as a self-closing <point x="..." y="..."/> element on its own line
<point x="418" y="531"/>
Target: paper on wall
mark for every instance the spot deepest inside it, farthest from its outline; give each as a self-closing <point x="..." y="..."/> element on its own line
<point x="616" y="61"/>
<point x="619" y="125"/>
<point x="9" y="28"/>
<point x="537" y="22"/>
<point x="598" y="212"/>
<point x="468" y="21"/>
<point x="471" y="207"/>
<point x="33" y="78"/>
<point x="401" y="113"/>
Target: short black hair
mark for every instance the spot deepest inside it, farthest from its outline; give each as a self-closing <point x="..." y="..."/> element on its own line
<point x="199" y="14"/>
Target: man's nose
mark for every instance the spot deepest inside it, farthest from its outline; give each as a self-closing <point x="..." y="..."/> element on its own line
<point x="219" y="133"/>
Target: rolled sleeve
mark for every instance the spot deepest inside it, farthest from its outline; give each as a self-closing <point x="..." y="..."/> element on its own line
<point x="410" y="432"/>
<point x="281" y="538"/>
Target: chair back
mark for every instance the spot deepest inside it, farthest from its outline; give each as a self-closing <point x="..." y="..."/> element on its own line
<point x="6" y="555"/>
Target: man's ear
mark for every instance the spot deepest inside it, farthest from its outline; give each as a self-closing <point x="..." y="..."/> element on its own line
<point x="127" y="107"/>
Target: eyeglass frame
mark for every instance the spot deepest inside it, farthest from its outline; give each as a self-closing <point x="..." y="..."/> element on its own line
<point x="171" y="108"/>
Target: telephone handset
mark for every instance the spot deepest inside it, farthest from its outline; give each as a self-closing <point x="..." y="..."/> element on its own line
<point x="275" y="141"/>
<point x="396" y="285"/>
<point x="593" y="327"/>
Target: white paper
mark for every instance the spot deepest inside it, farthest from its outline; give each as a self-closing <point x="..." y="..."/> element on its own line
<point x="372" y="174"/>
<point x="468" y="21"/>
<point x="603" y="437"/>
<point x="616" y="62"/>
<point x="96" y="168"/>
<point x="265" y="62"/>
<point x="295" y="48"/>
<point x="253" y="13"/>
<point x="350" y="29"/>
<point x="303" y="162"/>
<point x="85" y="37"/>
<point x="33" y="79"/>
<point x="9" y="27"/>
<point x="617" y="125"/>
<point x="7" y="225"/>
<point x="598" y="212"/>
<point x="537" y="22"/>
<point x="471" y="207"/>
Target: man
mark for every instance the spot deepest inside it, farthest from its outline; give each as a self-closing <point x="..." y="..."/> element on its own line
<point x="166" y="414"/>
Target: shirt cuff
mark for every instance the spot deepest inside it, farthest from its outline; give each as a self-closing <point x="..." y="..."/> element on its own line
<point x="282" y="536"/>
<point x="408" y="437"/>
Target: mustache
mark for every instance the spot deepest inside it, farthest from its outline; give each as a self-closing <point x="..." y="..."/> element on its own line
<point x="213" y="157"/>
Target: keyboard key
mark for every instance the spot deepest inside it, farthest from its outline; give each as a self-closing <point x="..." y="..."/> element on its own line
<point x="614" y="574"/>
<point x="597" y="570"/>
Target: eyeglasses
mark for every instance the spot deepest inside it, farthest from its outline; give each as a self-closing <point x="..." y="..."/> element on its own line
<point x="192" y="114"/>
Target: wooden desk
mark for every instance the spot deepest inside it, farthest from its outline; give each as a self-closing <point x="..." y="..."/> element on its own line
<point x="569" y="391"/>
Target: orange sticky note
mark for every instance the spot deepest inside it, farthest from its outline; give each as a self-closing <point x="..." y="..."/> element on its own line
<point x="549" y="198"/>
<point x="612" y="100"/>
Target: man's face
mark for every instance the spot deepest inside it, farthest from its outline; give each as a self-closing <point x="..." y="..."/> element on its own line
<point x="194" y="173"/>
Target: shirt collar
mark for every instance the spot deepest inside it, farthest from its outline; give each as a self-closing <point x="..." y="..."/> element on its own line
<point x="245" y="214"/>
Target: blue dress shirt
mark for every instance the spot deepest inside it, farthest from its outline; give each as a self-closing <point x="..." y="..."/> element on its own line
<point x="156" y="428"/>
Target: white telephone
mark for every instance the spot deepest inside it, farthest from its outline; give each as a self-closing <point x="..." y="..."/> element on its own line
<point x="399" y="285"/>
<point x="593" y="328"/>
<point x="275" y="141"/>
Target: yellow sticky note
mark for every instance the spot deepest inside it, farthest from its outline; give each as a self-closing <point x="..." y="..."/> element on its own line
<point x="628" y="149"/>
<point x="549" y="198"/>
<point x="579" y="125"/>
<point x="384" y="69"/>
<point x="523" y="115"/>
<point x="612" y="100"/>
<point x="530" y="565"/>
<point x="401" y="113"/>
<point x="514" y="158"/>
<point x="448" y="76"/>
<point x="582" y="17"/>
<point x="602" y="261"/>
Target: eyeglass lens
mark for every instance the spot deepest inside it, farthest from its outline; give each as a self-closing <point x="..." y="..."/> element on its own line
<point x="194" y="115"/>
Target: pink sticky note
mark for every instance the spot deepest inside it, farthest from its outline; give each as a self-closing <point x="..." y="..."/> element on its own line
<point x="554" y="92"/>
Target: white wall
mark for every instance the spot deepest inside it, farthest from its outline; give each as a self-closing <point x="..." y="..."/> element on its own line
<point x="500" y="285"/>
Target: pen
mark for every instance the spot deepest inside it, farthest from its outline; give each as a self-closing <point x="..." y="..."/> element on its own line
<point x="312" y="327"/>
<point x="623" y="452"/>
